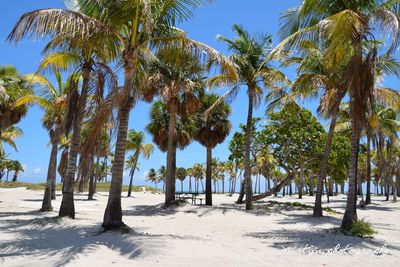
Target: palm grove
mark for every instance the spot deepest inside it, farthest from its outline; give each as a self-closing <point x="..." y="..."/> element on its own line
<point x="342" y="51"/>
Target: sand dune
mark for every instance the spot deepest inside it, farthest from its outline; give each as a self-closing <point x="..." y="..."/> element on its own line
<point x="189" y="235"/>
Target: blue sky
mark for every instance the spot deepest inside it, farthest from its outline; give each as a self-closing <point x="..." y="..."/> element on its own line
<point x="258" y="16"/>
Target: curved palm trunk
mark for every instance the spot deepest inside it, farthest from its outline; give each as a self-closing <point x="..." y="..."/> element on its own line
<point x="208" y="177"/>
<point x="15" y="176"/>
<point x="368" y="194"/>
<point x="247" y="167"/>
<point x="113" y="213"/>
<point x="51" y="174"/>
<point x="170" y="181"/>
<point x="67" y="208"/>
<point x="324" y="168"/>
<point x="133" y="172"/>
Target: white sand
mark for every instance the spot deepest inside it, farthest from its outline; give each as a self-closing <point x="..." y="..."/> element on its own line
<point x="186" y="236"/>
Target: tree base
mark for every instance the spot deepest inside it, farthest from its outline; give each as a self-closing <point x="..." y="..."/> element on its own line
<point x="67" y="208"/>
<point x="114" y="226"/>
<point x="46" y="209"/>
<point x="317" y="212"/>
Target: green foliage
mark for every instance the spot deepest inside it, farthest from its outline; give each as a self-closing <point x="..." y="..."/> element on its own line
<point x="360" y="228"/>
<point x="12" y="88"/>
<point x="296" y="138"/>
<point x="339" y="158"/>
<point x="181" y="173"/>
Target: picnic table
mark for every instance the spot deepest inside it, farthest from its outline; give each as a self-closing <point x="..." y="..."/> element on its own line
<point x="193" y="197"/>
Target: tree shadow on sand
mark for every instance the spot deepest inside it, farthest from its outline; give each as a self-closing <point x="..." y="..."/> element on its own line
<point x="320" y="239"/>
<point x="51" y="238"/>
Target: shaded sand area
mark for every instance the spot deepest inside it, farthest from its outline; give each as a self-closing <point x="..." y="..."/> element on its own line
<point x="189" y="235"/>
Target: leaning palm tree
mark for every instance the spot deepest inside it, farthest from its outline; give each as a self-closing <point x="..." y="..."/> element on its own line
<point x="17" y="168"/>
<point x="137" y="25"/>
<point x="254" y="69"/>
<point x="316" y="74"/>
<point x="135" y="143"/>
<point x="344" y="26"/>
<point x="177" y="77"/>
<point x="213" y="128"/>
<point x="79" y="41"/>
<point x="53" y="98"/>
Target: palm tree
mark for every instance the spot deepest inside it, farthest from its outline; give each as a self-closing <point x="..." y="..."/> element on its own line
<point x="82" y="40"/>
<point x="54" y="100"/>
<point x="161" y="175"/>
<point x="12" y="87"/>
<point x="17" y="168"/>
<point x="180" y="86"/>
<point x="8" y="136"/>
<point x="181" y="174"/>
<point x="213" y="128"/>
<point x="198" y="174"/>
<point x="136" y="26"/>
<point x="152" y="177"/>
<point x="135" y="143"/>
<point x="250" y="56"/>
<point x="344" y="26"/>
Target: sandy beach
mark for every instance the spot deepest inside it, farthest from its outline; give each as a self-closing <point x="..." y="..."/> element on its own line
<point x="188" y="235"/>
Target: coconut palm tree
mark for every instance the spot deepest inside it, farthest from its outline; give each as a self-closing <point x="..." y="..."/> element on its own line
<point x="254" y="70"/>
<point x="161" y="175"/>
<point x="53" y="98"/>
<point x="213" y="128"/>
<point x="79" y="41"/>
<point x="344" y="26"/>
<point x="17" y="168"/>
<point x="136" y="26"/>
<point x="8" y="136"/>
<point x="12" y="87"/>
<point x="152" y="177"/>
<point x="177" y="77"/>
<point x="135" y="143"/>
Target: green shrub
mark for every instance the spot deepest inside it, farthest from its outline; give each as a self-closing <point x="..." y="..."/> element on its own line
<point x="360" y="228"/>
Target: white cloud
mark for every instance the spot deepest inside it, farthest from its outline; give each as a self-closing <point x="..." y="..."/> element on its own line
<point x="37" y="171"/>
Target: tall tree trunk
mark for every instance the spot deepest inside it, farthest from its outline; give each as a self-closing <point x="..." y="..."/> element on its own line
<point x="133" y="172"/>
<point x="223" y="185"/>
<point x="324" y="168"/>
<point x="241" y="193"/>
<point x="350" y="214"/>
<point x="15" y="176"/>
<point x="368" y="195"/>
<point x="170" y="181"/>
<point x="51" y="173"/>
<point x="91" y="177"/>
<point x="248" y="134"/>
<point x="67" y="208"/>
<point x="113" y="213"/>
<point x="208" y="177"/>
